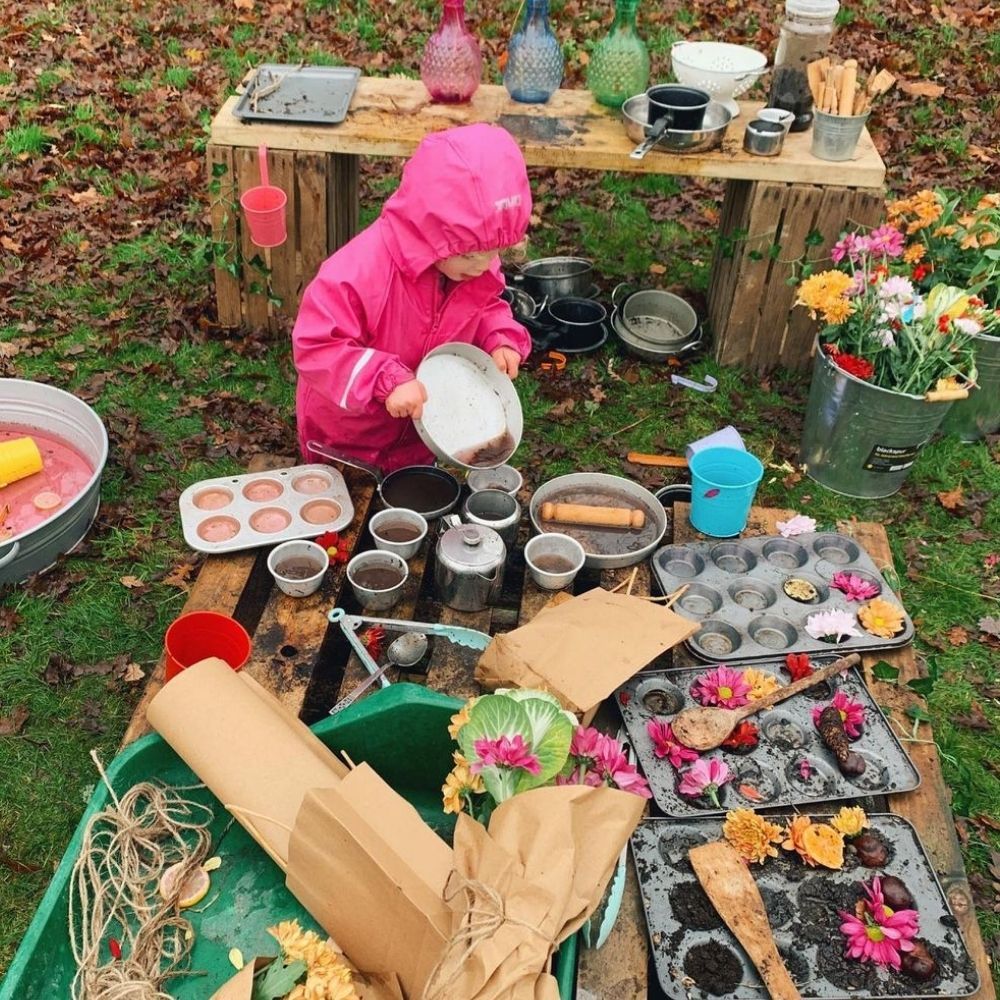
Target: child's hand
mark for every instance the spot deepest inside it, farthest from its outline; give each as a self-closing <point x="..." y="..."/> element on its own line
<point x="407" y="400"/>
<point x="507" y="360"/>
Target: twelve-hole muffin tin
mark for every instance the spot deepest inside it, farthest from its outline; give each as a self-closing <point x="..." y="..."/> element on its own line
<point x="771" y="774"/>
<point x="801" y="905"/>
<point x="263" y="508"/>
<point x="736" y="591"/>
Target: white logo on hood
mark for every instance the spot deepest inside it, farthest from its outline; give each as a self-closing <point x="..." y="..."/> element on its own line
<point x="511" y="201"/>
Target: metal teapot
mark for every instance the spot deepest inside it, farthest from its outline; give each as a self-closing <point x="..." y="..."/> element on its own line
<point x="468" y="570"/>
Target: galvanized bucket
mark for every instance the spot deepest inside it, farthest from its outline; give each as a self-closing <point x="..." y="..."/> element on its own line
<point x="859" y="439"/>
<point x="979" y="415"/>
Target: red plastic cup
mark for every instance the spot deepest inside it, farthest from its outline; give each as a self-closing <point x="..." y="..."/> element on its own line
<point x="264" y="209"/>
<point x="200" y="634"/>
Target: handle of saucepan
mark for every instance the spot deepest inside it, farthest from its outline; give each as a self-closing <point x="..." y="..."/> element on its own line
<point x="614" y="293"/>
<point x="336" y="456"/>
<point x="14" y="549"/>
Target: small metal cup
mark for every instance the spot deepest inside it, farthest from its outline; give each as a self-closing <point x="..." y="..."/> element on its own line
<point x="763" y="138"/>
<point x="553" y="544"/>
<point x="780" y="115"/>
<point x="503" y="477"/>
<point x="377" y="600"/>
<point x="494" y="509"/>
<point x="398" y="515"/>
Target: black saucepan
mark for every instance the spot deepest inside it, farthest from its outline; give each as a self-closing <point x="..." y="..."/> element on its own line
<point x="571" y="325"/>
<point x="424" y="488"/>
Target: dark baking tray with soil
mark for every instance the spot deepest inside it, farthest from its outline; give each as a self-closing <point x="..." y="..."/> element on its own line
<point x="735" y="589"/>
<point x="697" y="958"/>
<point x="770" y="775"/>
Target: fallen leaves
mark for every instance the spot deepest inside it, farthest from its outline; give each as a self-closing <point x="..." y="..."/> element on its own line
<point x="957" y="636"/>
<point x="180" y="575"/>
<point x="59" y="670"/>
<point x="921" y="88"/>
<point x="974" y="719"/>
<point x="951" y="499"/>
<point x="133" y="583"/>
<point x="12" y="724"/>
<point x="990" y="627"/>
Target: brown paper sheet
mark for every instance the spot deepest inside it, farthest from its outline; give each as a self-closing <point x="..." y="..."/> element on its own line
<point x="583" y="649"/>
<point x="251" y="751"/>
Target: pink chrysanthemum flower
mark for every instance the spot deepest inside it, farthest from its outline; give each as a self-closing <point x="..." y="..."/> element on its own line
<point x="852" y="713"/>
<point x="854" y="588"/>
<point x="505" y="751"/>
<point x="886" y="240"/>
<point x="665" y="744"/>
<point x="705" y="777"/>
<point x="722" y="686"/>
<point x="586" y="744"/>
<point x="612" y="765"/>
<point x="877" y="934"/>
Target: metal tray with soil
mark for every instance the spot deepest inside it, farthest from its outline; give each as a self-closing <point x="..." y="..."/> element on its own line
<point x="772" y="773"/>
<point x="697" y="957"/>
<point x="737" y="590"/>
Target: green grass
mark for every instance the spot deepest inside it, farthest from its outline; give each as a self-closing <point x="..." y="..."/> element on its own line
<point x="26" y="140"/>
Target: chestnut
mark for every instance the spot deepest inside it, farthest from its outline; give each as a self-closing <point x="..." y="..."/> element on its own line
<point x="852" y="765"/>
<point x="919" y="963"/>
<point x="870" y="849"/>
<point x="895" y="894"/>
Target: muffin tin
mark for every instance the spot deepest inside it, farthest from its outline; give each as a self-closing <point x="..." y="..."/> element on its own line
<point x="802" y="905"/>
<point x="735" y="589"/>
<point x="788" y="735"/>
<point x="263" y="508"/>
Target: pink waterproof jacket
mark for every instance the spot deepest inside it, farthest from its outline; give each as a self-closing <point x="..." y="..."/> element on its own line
<point x="376" y="307"/>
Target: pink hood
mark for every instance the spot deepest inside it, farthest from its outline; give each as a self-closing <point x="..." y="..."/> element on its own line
<point x="376" y="308"/>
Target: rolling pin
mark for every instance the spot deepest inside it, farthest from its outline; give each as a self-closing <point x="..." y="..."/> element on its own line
<point x="671" y="461"/>
<point x="599" y="517"/>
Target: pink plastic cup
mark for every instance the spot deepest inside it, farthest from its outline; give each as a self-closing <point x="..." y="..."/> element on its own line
<point x="264" y="208"/>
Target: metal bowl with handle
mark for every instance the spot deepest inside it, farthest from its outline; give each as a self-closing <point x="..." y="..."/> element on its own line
<point x="656" y="354"/>
<point x="635" y="112"/>
<point x="556" y="277"/>
<point x="660" y="319"/>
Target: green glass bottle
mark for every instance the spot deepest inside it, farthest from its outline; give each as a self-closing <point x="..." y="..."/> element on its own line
<point x="619" y="66"/>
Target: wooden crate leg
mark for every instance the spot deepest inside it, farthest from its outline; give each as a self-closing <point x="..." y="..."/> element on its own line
<point x="312" y="222"/>
<point x="284" y="259"/>
<point x="224" y="211"/>
<point x="343" y="203"/>
<point x="255" y="276"/>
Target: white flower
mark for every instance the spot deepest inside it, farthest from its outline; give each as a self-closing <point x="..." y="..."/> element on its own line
<point x="837" y="625"/>
<point x="884" y="337"/>
<point x="966" y="324"/>
<point x="797" y="525"/>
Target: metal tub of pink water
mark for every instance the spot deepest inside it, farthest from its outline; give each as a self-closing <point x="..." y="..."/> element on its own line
<point x="48" y="513"/>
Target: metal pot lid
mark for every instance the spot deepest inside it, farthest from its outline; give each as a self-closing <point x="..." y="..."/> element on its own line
<point x="472" y="548"/>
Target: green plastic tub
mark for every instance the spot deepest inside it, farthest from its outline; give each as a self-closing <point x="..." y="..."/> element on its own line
<point x="402" y="731"/>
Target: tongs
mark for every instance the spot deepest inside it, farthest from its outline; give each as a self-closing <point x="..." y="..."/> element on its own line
<point x="351" y="624"/>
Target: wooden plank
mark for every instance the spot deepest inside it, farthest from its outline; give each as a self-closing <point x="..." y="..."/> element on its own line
<point x="312" y="220"/>
<point x="284" y="259"/>
<point x="344" y="205"/>
<point x="928" y="806"/>
<point x="254" y="278"/>
<point x="224" y="211"/>
<point x="389" y="117"/>
<point x="726" y="263"/>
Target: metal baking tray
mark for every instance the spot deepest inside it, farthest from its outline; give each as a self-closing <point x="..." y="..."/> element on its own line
<point x="735" y="591"/>
<point x="802" y="905"/>
<point x="770" y="775"/>
<point x="316" y="95"/>
<point x="264" y="508"/>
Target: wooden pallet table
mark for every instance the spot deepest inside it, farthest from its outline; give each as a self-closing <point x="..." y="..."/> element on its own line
<point x="771" y="203"/>
<point x="305" y="662"/>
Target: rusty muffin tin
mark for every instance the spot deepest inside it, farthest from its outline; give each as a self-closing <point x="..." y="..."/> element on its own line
<point x="735" y="589"/>
<point x="231" y="513"/>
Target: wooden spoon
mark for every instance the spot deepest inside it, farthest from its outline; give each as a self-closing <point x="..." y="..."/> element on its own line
<point x="706" y="728"/>
<point x="730" y="886"/>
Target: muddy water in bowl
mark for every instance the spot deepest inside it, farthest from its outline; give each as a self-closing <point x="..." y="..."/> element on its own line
<point x="398" y="531"/>
<point x="554" y="564"/>
<point x="378" y="577"/>
<point x="489" y="454"/>
<point x="297" y="569"/>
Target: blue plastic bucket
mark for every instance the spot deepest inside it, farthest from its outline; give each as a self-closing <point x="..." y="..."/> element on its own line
<point x="723" y="484"/>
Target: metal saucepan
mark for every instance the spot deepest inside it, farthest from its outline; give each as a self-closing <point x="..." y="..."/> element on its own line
<point x="572" y="326"/>
<point x="472" y="416"/>
<point x="605" y="548"/>
<point x="522" y="305"/>
<point x="635" y="112"/>
<point x="660" y="318"/>
<point x="556" y="277"/>
<point x="655" y="353"/>
<point x="424" y="488"/>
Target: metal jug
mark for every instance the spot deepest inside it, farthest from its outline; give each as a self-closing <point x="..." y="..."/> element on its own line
<point x="469" y="567"/>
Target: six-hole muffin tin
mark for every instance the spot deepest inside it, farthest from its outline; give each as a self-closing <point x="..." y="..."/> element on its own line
<point x="263" y="508"/>
<point x="735" y="589"/>
<point x="772" y="773"/>
<point x="801" y="905"/>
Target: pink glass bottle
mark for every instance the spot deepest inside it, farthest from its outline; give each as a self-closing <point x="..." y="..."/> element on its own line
<point x="452" y="64"/>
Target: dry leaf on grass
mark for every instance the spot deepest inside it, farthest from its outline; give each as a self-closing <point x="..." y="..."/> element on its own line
<point x="957" y="635"/>
<point x="951" y="499"/>
<point x="132" y="582"/>
<point x="11" y="725"/>
<point x="921" y="88"/>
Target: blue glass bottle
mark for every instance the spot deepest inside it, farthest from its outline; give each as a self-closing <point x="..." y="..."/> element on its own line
<point x="535" y="60"/>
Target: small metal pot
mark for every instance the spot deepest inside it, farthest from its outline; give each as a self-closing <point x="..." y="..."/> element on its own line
<point x="638" y="127"/>
<point x="573" y="325"/>
<point x="556" y="277"/>
<point x="494" y="509"/>
<point x="763" y="138"/>
<point x="522" y="305"/>
<point x="469" y="564"/>
<point x="660" y="319"/>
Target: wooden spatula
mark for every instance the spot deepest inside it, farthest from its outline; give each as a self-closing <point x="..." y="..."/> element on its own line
<point x="705" y="728"/>
<point x="734" y="894"/>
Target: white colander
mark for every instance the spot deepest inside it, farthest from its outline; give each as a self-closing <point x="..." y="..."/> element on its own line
<point x="722" y="69"/>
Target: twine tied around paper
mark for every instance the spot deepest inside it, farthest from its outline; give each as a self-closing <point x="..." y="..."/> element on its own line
<point x="484" y="915"/>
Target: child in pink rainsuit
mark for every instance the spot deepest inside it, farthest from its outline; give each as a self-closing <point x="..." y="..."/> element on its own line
<point x="425" y="273"/>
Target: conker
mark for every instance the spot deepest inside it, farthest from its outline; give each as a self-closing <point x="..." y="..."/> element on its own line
<point x="896" y="895"/>
<point x="919" y="964"/>
<point x="871" y="850"/>
<point x="853" y="765"/>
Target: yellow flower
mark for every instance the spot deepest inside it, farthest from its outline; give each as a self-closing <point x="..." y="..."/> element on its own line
<point x="989" y="201"/>
<point x="881" y="618"/>
<point x="751" y="835"/>
<point x="460" y="718"/>
<point x="969" y="242"/>
<point x="987" y="238"/>
<point x="761" y="683"/>
<point x="850" y="821"/>
<point x="459" y="783"/>
<point x="793" y="838"/>
<point x="946" y="230"/>
<point x="914" y="253"/>
<point x="947" y="384"/>
<point x="327" y="977"/>
<point x="826" y="293"/>
<point x="837" y="311"/>
<point x="815" y="843"/>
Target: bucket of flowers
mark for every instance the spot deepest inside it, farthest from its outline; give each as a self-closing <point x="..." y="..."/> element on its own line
<point x="890" y="361"/>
